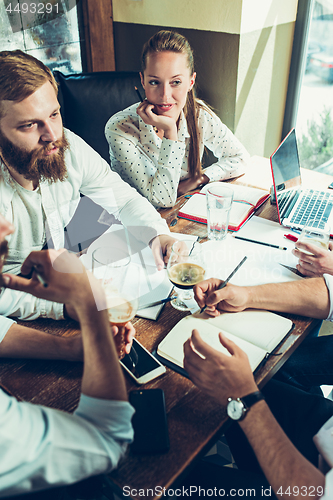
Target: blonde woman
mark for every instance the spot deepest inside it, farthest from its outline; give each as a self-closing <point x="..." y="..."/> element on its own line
<point x="157" y="146"/>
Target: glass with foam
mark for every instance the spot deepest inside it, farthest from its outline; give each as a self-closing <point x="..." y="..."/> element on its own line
<point x="113" y="267"/>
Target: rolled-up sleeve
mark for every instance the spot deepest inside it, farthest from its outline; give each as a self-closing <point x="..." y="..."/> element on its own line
<point x="329" y="283"/>
<point x="53" y="448"/>
<point x="5" y="324"/>
<point x="24" y="306"/>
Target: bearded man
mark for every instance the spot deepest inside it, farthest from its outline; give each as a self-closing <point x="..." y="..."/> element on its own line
<point x="43" y="170"/>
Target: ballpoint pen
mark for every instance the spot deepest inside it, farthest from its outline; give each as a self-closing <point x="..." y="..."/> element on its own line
<point x="224" y="283"/>
<point x="158" y="302"/>
<point x="138" y="92"/>
<point x="291" y="237"/>
<point x="259" y="242"/>
<point x="40" y="278"/>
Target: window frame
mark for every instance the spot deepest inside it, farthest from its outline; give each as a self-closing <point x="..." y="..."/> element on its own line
<point x="97" y="18"/>
<point x="297" y="64"/>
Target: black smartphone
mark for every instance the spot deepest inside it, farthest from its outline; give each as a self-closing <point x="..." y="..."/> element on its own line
<point x="149" y="422"/>
<point x="330" y="186"/>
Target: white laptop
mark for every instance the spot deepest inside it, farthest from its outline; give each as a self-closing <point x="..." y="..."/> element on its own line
<point x="297" y="205"/>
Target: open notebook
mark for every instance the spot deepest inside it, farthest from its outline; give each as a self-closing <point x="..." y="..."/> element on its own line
<point x="246" y="201"/>
<point x="256" y="332"/>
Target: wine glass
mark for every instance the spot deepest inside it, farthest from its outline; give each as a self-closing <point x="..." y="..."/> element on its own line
<point x="185" y="268"/>
<point x="113" y="267"/>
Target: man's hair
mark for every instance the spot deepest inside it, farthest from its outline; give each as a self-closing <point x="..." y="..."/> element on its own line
<point x="21" y="75"/>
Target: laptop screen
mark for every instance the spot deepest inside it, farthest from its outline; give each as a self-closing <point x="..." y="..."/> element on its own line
<point x="285" y="164"/>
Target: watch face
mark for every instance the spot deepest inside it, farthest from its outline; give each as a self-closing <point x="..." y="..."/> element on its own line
<point x="235" y="409"/>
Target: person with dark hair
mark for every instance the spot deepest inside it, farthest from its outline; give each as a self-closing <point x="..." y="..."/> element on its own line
<point x="44" y="448"/>
<point x="281" y="432"/>
<point x="158" y="145"/>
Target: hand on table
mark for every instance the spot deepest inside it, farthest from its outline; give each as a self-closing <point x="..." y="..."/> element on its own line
<point x="169" y="126"/>
<point x="218" y="375"/>
<point x="189" y="184"/>
<point x="314" y="265"/>
<point x="161" y="248"/>
<point x="128" y="332"/>
<point x="231" y="298"/>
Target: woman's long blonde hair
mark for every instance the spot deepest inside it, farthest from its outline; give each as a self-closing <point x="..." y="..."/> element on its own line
<point x="169" y="41"/>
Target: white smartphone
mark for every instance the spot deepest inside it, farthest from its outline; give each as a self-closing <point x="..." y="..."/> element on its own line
<point x="141" y="365"/>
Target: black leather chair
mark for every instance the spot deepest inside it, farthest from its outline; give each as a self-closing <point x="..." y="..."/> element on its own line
<point x="87" y="101"/>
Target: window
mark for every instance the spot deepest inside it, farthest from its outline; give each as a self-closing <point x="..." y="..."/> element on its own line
<point x="47" y="30"/>
<point x="315" y="112"/>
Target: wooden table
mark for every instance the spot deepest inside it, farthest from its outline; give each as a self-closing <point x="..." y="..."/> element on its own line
<point x="195" y="421"/>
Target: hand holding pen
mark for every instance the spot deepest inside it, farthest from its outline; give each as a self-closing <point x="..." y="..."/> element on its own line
<point x="211" y="295"/>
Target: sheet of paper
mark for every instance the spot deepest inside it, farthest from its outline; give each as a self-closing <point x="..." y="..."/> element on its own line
<point x="263" y="262"/>
<point x="268" y="231"/>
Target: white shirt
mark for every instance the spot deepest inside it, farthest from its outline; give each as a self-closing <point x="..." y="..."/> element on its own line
<point x="43" y="447"/>
<point x="88" y="174"/>
<point x="155" y="166"/>
<point x="324" y="443"/>
<point x="329" y="283"/>
<point x="29" y="223"/>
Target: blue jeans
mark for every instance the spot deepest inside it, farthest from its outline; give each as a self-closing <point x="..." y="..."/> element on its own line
<point x="311" y="365"/>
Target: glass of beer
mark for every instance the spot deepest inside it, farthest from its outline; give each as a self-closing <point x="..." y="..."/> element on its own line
<point x="315" y="234"/>
<point x="121" y="285"/>
<point x="185" y="269"/>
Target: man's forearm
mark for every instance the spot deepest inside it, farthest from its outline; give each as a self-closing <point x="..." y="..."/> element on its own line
<point x="23" y="342"/>
<point x="308" y="297"/>
<point x="102" y="376"/>
<point x="282" y="464"/>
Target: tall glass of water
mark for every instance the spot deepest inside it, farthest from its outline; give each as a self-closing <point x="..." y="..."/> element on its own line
<point x="219" y="201"/>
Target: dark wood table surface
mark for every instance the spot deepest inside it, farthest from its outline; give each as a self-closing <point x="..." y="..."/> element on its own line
<point x="195" y="421"/>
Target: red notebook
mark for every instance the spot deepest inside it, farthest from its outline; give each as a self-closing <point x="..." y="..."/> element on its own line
<point x="246" y="201"/>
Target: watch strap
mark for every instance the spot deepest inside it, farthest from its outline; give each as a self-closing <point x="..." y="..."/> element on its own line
<point x="252" y="398"/>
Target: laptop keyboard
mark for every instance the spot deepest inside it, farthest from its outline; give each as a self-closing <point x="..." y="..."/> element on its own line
<point x="284" y="199"/>
<point x="313" y="205"/>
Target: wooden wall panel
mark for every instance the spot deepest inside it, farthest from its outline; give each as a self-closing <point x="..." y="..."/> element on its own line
<point x="98" y="27"/>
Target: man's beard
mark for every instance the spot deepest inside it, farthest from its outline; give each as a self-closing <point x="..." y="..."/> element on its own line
<point x="35" y="165"/>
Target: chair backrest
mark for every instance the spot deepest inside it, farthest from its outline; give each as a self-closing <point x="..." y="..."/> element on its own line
<point x="88" y="100"/>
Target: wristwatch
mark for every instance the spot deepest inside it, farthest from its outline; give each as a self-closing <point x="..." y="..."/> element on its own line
<point x="237" y="408"/>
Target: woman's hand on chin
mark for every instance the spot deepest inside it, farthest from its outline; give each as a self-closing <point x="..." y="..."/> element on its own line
<point x="161" y="122"/>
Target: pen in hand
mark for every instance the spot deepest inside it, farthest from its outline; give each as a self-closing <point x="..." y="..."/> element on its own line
<point x="224" y="283"/>
<point x="40" y="278"/>
<point x="138" y="92"/>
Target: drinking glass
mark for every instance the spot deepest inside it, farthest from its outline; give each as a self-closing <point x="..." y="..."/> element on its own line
<point x="219" y="200"/>
<point x="185" y="269"/>
<point x="112" y="266"/>
<point x="318" y="236"/>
